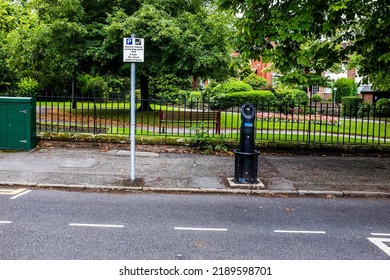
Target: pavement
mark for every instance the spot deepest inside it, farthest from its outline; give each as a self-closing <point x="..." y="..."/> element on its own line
<point x="107" y="168"/>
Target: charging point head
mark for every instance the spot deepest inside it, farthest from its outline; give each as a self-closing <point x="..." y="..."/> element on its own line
<point x="248" y="112"/>
<point x="248" y="109"/>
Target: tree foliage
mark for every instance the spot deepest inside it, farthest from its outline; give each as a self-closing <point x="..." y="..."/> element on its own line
<point x="56" y="41"/>
<point x="304" y="38"/>
<point x="188" y="41"/>
<point x="255" y="81"/>
<point x="230" y="87"/>
<point x="48" y="44"/>
<point x="344" y="87"/>
<point x="10" y="13"/>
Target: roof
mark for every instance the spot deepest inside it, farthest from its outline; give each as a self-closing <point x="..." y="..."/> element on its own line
<point x="365" y="89"/>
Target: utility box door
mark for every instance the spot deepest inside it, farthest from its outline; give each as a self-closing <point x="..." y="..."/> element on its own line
<point x="17" y="123"/>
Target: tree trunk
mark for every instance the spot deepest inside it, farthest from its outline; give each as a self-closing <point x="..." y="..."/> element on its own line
<point x="309" y="87"/>
<point x="145" y="105"/>
<point x="194" y="83"/>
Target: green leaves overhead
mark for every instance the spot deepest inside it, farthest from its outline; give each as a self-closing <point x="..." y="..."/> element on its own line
<point x="51" y="42"/>
<point x="193" y="42"/>
<point x="308" y="36"/>
<point x="54" y="41"/>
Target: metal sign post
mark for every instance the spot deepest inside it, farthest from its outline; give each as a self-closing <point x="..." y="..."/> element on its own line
<point x="133" y="51"/>
<point x="132" y="122"/>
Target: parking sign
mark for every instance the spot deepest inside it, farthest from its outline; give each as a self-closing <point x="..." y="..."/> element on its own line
<point x="133" y="50"/>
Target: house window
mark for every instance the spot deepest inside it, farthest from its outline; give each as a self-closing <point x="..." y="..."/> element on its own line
<point x="327" y="90"/>
<point x="275" y="77"/>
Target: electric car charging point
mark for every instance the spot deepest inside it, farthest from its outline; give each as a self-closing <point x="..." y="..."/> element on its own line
<point x="246" y="157"/>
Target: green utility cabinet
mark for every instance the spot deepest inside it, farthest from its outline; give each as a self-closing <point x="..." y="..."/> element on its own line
<point x="17" y="123"/>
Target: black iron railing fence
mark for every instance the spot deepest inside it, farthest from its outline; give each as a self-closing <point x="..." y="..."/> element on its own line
<point x="316" y="122"/>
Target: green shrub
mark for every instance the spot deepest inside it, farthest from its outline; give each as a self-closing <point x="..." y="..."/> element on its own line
<point x="28" y="87"/>
<point x="91" y="86"/>
<point x="344" y="87"/>
<point x="117" y="87"/>
<point x="255" y="81"/>
<point x="306" y="110"/>
<point x="194" y="98"/>
<point x="282" y="91"/>
<point x="182" y="96"/>
<point x="316" y="98"/>
<point x="299" y="97"/>
<point x="351" y="105"/>
<point x="290" y="98"/>
<point x="262" y="99"/>
<point x="166" y="87"/>
<point x="230" y="87"/>
<point x="365" y="110"/>
<point x="207" y="94"/>
<point x="286" y="103"/>
<point x="382" y="107"/>
<point x="169" y="97"/>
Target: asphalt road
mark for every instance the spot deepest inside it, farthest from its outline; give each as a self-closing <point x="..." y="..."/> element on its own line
<point x="46" y="224"/>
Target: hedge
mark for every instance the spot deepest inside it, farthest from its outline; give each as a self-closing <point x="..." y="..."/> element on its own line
<point x="262" y="99"/>
<point x="230" y="87"/>
<point x="345" y="87"/>
<point x="383" y="107"/>
<point x="257" y="82"/>
<point x="351" y="105"/>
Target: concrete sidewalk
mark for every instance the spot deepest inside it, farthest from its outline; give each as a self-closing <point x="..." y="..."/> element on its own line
<point x="109" y="169"/>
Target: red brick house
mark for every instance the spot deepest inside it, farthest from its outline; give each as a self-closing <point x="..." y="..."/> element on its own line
<point x="370" y="95"/>
<point x="258" y="67"/>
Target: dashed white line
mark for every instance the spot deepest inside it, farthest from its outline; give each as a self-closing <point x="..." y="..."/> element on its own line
<point x="300" y="231"/>
<point x="201" y="229"/>
<point x="23" y="193"/>
<point x="5" y="222"/>
<point x="380" y="234"/>
<point x="96" y="225"/>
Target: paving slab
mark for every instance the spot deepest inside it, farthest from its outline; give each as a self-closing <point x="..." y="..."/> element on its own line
<point x="192" y="172"/>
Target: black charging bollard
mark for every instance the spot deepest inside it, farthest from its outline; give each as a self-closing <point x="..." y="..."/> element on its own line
<point x="246" y="158"/>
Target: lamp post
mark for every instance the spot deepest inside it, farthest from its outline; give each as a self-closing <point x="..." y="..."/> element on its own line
<point x="334" y="96"/>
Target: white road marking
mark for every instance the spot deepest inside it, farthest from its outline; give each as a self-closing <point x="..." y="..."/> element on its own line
<point x="7" y="191"/>
<point x="5" y="222"/>
<point x="380" y="242"/>
<point x="380" y="234"/>
<point x="23" y="193"/>
<point x="11" y="191"/>
<point x="300" y="231"/>
<point x="201" y="229"/>
<point x="96" y="225"/>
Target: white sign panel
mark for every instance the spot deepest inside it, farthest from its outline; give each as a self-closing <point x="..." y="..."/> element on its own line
<point x="133" y="50"/>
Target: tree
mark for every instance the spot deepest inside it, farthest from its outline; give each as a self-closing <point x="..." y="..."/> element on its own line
<point x="188" y="41"/>
<point x="56" y="41"/>
<point x="97" y="60"/>
<point x="304" y="38"/>
<point x="239" y="68"/>
<point x="60" y="40"/>
<point x="255" y="81"/>
<point x="9" y="13"/>
<point x="53" y="42"/>
<point x="373" y="44"/>
<point x="344" y="87"/>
